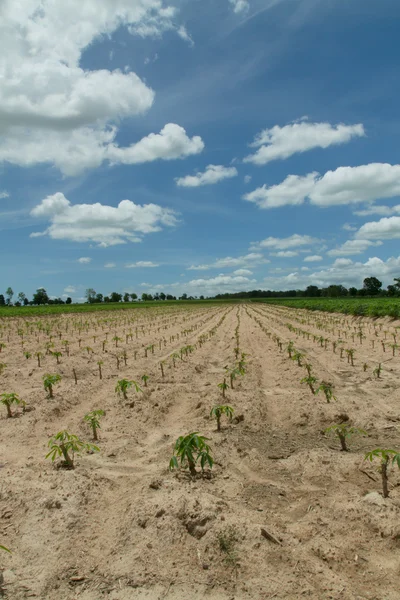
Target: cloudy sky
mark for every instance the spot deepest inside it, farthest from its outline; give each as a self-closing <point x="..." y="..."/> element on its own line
<point x="198" y="146"/>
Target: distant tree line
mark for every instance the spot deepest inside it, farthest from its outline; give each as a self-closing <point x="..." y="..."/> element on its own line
<point x="371" y="287"/>
<point x="39" y="297"/>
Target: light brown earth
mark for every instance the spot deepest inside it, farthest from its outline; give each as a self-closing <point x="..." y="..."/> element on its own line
<point x="121" y="526"/>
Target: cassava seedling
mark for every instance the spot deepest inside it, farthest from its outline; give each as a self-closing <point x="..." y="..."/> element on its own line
<point x="144" y="378"/>
<point x="223" y="386"/>
<point x="100" y="363"/>
<point x="189" y="450"/>
<point x="218" y="411"/>
<point x="93" y="419"/>
<point x="377" y="371"/>
<point x="66" y="445"/>
<point x="27" y="355"/>
<point x="2" y="367"/>
<point x="49" y="381"/>
<point x="385" y="456"/>
<point x="2" y="345"/>
<point x="38" y="355"/>
<point x="311" y="381"/>
<point x="8" y="400"/>
<point x="57" y="354"/>
<point x="365" y="367"/>
<point x="297" y="356"/>
<point x="343" y="431"/>
<point x="327" y="389"/>
<point x="123" y="386"/>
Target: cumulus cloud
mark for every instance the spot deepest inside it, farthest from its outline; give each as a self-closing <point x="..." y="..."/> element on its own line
<point x="99" y="223"/>
<point x="110" y="265"/>
<point x="84" y="260"/>
<point x="142" y="264"/>
<point x="344" y="186"/>
<point x="282" y="142"/>
<point x="293" y="190"/>
<point x="243" y="272"/>
<point x="226" y="282"/>
<point x="387" y="228"/>
<point x="213" y="174"/>
<point x="348" y="227"/>
<point x="285" y="253"/>
<point x="240" y="6"/>
<point x="293" y="241"/>
<point x="342" y="272"/>
<point x="4" y="194"/>
<point x="171" y="143"/>
<point x="251" y="259"/>
<point x="382" y="211"/>
<point x="49" y="105"/>
<point x="352" y="247"/>
<point x="313" y="258"/>
<point x="70" y="289"/>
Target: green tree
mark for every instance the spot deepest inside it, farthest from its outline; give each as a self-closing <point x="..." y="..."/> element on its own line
<point x="90" y="295"/>
<point x="21" y="297"/>
<point x="40" y="297"/>
<point x="133" y="297"/>
<point x="68" y="300"/>
<point x="99" y="298"/>
<point x="2" y="300"/>
<point x="115" y="297"/>
<point x="9" y="294"/>
<point x="126" y="297"/>
<point x="372" y="286"/>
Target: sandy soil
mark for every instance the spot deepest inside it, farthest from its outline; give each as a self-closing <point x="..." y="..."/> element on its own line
<point x="121" y="526"/>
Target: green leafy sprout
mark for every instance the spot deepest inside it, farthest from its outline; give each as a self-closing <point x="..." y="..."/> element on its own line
<point x="66" y="445"/>
<point x="189" y="450"/>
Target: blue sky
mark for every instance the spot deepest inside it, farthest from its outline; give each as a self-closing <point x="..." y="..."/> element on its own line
<point x="252" y="144"/>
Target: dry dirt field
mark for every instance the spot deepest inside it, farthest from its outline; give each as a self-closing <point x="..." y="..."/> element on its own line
<point x="122" y="526"/>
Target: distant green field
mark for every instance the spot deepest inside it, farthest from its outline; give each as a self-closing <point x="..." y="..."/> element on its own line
<point x="371" y="307"/>
<point x="57" y="309"/>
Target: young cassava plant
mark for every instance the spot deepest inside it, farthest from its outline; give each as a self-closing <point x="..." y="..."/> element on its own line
<point x="344" y="431"/>
<point x="93" y="420"/>
<point x="66" y="445"/>
<point x="386" y="456"/>
<point x="124" y="385"/>
<point x="218" y="411"/>
<point x="49" y="381"/>
<point x="8" y="400"/>
<point x="189" y="450"/>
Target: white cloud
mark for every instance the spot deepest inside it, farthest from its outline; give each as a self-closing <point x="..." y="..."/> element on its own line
<point x="142" y="264"/>
<point x="366" y="183"/>
<point x="110" y="265"/>
<point x="240" y="6"/>
<point x="213" y="174"/>
<point x="251" y="259"/>
<point x="105" y="225"/>
<point x="352" y="247"/>
<point x="293" y="241"/>
<point x="84" y="260"/>
<point x="247" y="178"/>
<point x="285" y="253"/>
<point x="348" y="227"/>
<point x="383" y="211"/>
<point x="171" y="143"/>
<point x="51" y="109"/>
<point x="345" y="185"/>
<point x="243" y="272"/>
<point x="70" y="289"/>
<point x="224" y="282"/>
<point x="293" y="190"/>
<point x="184" y="35"/>
<point x="4" y="194"/>
<point x="387" y="228"/>
<point x="313" y="258"/>
<point x="282" y="142"/>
